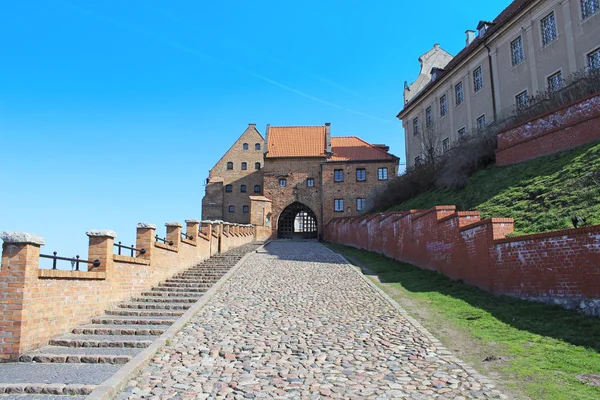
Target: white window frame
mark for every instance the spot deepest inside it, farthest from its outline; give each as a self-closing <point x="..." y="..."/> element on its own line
<point x="462" y="93"/>
<point x="587" y="58"/>
<point x="522" y="51"/>
<point x="445" y="145"/>
<point x="363" y="173"/>
<point x="479" y="119"/>
<point x="429" y="117"/>
<point x="518" y="95"/>
<point x="338" y="205"/>
<point x="584" y="3"/>
<point x="461" y="132"/>
<point x="549" y="78"/>
<point x="335" y="175"/>
<point x="282" y="182"/>
<point x="478" y="81"/>
<point x="382" y="174"/>
<point x="415" y="126"/>
<point x="545" y="43"/>
<point x="443" y="106"/>
<point x="360" y="204"/>
<point x="310" y="182"/>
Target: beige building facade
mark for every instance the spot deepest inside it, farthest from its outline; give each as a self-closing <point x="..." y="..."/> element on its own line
<point x="532" y="46"/>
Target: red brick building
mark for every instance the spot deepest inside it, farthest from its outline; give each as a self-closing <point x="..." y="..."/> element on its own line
<point x="310" y="178"/>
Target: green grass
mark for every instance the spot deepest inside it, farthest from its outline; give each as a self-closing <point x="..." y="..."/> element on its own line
<point x="546" y="346"/>
<point x="541" y="195"/>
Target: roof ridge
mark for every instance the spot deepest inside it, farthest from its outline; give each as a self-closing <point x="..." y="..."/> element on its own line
<point x="367" y="143"/>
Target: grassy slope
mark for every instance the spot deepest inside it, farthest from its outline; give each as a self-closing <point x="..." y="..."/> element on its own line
<point x="547" y="347"/>
<point x="541" y="195"/>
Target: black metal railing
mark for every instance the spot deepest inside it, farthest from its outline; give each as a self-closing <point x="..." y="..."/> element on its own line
<point x="132" y="248"/>
<point x="74" y="261"/>
<point x="186" y="236"/>
<point x="164" y="240"/>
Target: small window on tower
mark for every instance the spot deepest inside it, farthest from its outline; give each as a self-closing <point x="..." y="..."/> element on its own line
<point x="310" y="182"/>
<point x="257" y="146"/>
<point x="245" y="146"/>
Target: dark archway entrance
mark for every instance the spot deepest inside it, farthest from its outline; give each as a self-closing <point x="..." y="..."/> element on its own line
<point x="297" y="221"/>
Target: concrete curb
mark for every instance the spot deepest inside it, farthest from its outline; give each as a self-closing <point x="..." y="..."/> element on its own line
<point x="444" y="353"/>
<point x="111" y="387"/>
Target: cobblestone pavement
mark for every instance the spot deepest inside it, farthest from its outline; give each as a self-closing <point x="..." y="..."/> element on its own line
<point x="298" y="322"/>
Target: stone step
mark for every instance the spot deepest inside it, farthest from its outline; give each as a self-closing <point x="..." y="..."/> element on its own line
<point x="49" y="391"/>
<point x="57" y="373"/>
<point x="134" y="320"/>
<point x="165" y="289"/>
<point x="198" y="282"/>
<point x="165" y="299"/>
<point x="168" y="293"/>
<point x="155" y="306"/>
<point x="181" y="285"/>
<point x="83" y="355"/>
<point x="76" y="340"/>
<point x="105" y="329"/>
<point x="144" y="313"/>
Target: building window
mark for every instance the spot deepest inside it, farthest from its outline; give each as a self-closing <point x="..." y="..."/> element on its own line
<point x="338" y="205"/>
<point x="445" y="145"/>
<point x="245" y="146"/>
<point x="229" y="188"/>
<point x="548" y="29"/>
<point x="589" y="8"/>
<point x="338" y="175"/>
<point x="429" y="117"/>
<point x="481" y="123"/>
<point x="310" y="182"/>
<point x="382" y="174"/>
<point x="231" y="209"/>
<point x="246" y="209"/>
<point x="555" y="82"/>
<point x="360" y="204"/>
<point x="443" y="105"/>
<point x="594" y="59"/>
<point x="257" y="166"/>
<point x="458" y="92"/>
<point x="462" y="131"/>
<point x="516" y="51"/>
<point x="229" y="165"/>
<point x="416" y="126"/>
<point x="522" y="100"/>
<point x="256" y="188"/>
<point x="283" y="182"/>
<point x="361" y="174"/>
<point x="244" y="166"/>
<point x="257" y="146"/>
<point x="243" y="188"/>
<point x="477" y="80"/>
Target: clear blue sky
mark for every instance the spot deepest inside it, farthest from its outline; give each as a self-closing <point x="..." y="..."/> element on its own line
<point x="112" y="112"/>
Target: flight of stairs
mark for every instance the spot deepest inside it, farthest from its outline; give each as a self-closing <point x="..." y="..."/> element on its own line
<point x="75" y="363"/>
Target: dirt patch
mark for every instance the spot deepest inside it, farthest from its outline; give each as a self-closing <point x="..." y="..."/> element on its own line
<point x="486" y="358"/>
<point x="589" y="379"/>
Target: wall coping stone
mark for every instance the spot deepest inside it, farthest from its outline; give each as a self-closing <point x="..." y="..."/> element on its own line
<point x="550" y="235"/>
<point x="101" y="233"/>
<point x="192" y="221"/>
<point x="144" y="225"/>
<point x="175" y="224"/>
<point x="488" y="221"/>
<point x="22" y="237"/>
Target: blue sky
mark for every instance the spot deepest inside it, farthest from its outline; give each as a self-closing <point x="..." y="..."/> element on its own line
<point x="112" y="112"/>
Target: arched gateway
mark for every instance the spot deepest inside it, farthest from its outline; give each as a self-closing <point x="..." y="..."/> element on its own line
<point x="297" y="221"/>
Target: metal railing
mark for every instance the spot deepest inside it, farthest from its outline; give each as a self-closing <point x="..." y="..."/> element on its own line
<point x="74" y="261"/>
<point x="186" y="236"/>
<point x="132" y="248"/>
<point x="164" y="240"/>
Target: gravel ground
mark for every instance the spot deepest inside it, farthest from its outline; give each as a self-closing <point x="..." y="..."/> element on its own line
<point x="298" y="322"/>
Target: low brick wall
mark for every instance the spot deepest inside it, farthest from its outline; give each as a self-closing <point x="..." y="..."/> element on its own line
<point x="570" y="126"/>
<point x="560" y="267"/>
<point x="37" y="304"/>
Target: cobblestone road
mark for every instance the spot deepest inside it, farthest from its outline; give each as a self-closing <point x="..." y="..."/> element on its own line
<point x="298" y="322"/>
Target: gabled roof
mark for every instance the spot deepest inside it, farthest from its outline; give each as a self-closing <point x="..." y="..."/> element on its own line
<point x="296" y="141"/>
<point x="501" y="20"/>
<point x="352" y="148"/>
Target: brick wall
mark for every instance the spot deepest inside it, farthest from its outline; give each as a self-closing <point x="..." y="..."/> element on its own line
<point x="570" y="126"/>
<point x="38" y="304"/>
<point x="560" y="267"/>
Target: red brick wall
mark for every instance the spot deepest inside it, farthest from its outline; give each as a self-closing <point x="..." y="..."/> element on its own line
<point x="570" y="126"/>
<point x="559" y="267"/>
<point x="39" y="304"/>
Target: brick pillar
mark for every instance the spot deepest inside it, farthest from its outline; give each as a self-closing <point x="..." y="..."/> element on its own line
<point x="20" y="262"/>
<point x="174" y="233"/>
<point x="102" y="249"/>
<point x="145" y="239"/>
<point x="191" y="228"/>
<point x="207" y="228"/>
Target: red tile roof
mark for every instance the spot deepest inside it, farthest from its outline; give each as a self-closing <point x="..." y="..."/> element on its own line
<point x="351" y="148"/>
<point x="296" y="141"/>
<point x="502" y="19"/>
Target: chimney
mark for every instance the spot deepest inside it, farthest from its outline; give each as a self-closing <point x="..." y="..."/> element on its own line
<point x="470" y="36"/>
<point x="267" y="138"/>
<point x="251" y="125"/>
<point x="328" y="137"/>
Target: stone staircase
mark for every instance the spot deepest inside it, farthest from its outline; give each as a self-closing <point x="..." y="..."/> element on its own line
<point x="75" y="363"/>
